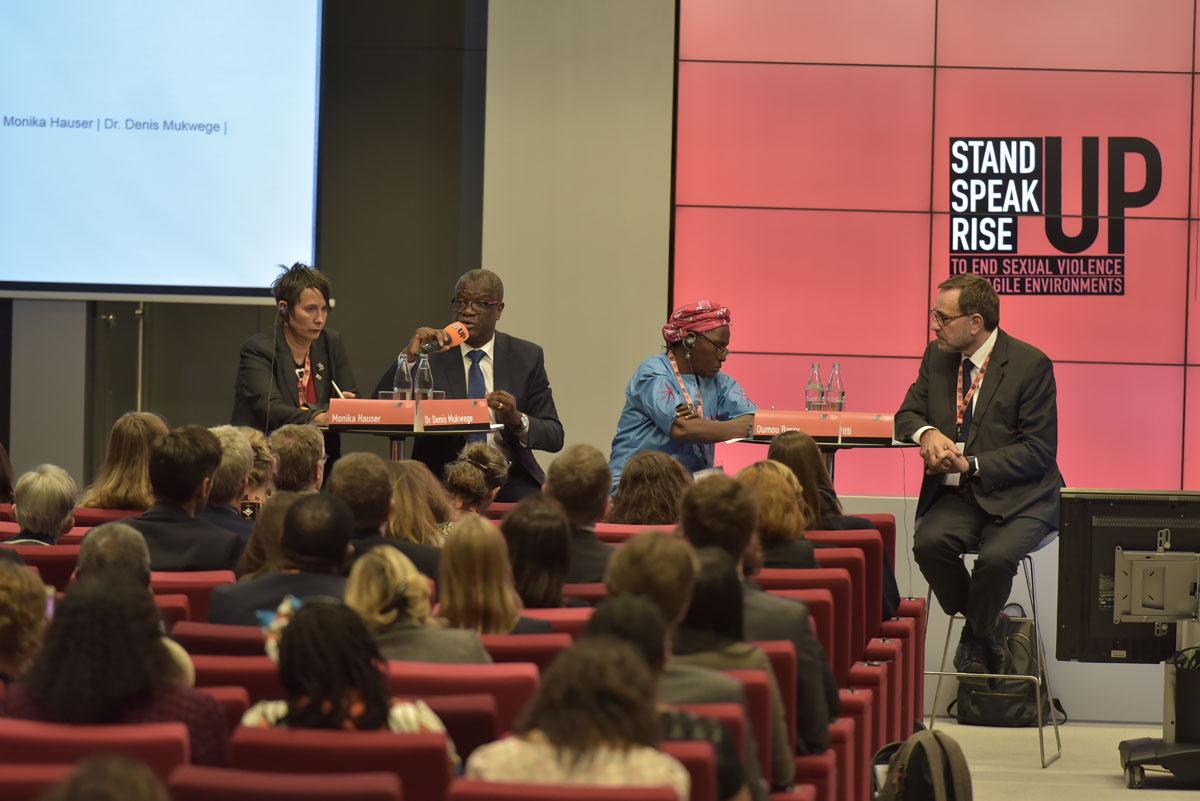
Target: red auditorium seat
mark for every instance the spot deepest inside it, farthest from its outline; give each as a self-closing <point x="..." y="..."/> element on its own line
<point x="173" y="608"/>
<point x="837" y="581"/>
<point x="162" y="746"/>
<point x="197" y="585"/>
<point x="731" y="716"/>
<point x="617" y="533"/>
<point x="903" y="629"/>
<point x="871" y="545"/>
<point x="8" y="529"/>
<point x="873" y="676"/>
<point x="218" y="639"/>
<point x="257" y="674"/>
<point x="498" y="509"/>
<point x="914" y="609"/>
<point x="701" y="763"/>
<point x="30" y="782"/>
<point x="540" y="649"/>
<point x="820" y="614"/>
<point x="782" y="654"/>
<point x="419" y="759"/>
<point x="512" y="685"/>
<point x="55" y="563"/>
<point x="591" y="594"/>
<point x="468" y="790"/>
<point x="853" y="562"/>
<point x="74" y="536"/>
<point x="570" y="620"/>
<point x="6" y="512"/>
<point x="757" y="688"/>
<point x="98" y="517"/>
<point x="885" y="524"/>
<point x="470" y="720"/>
<point x="891" y="653"/>
<point x="859" y="706"/>
<point x="234" y="702"/>
<point x="195" y="783"/>
<point x="821" y="772"/>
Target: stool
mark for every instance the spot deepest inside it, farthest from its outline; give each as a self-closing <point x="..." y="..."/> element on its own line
<point x="1041" y="681"/>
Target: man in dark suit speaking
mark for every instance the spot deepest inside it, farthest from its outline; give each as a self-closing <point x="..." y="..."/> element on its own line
<point x="509" y="372"/>
<point x="984" y="411"/>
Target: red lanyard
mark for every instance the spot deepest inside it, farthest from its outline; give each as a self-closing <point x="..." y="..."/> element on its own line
<point x="683" y="387"/>
<point x="303" y="376"/>
<point x="963" y="402"/>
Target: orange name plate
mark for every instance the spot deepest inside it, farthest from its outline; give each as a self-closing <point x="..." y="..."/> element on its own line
<point x="364" y="413"/>
<point x="866" y="427"/>
<point x="454" y="413"/>
<point x="821" y="426"/>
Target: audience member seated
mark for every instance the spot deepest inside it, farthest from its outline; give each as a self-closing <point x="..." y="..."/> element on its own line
<point x="579" y="479"/>
<point x="104" y="662"/>
<point x="649" y="491"/>
<point x="299" y="451"/>
<point x="261" y="480"/>
<point x="334" y="678"/>
<point x="712" y="635"/>
<point x="392" y="598"/>
<point x="6" y="477"/>
<point x="224" y="507"/>
<point x="362" y="480"/>
<point x="181" y="467"/>
<point x="799" y="452"/>
<point x="124" y="480"/>
<point x="539" y="549"/>
<point x="117" y="553"/>
<point x="22" y="620"/>
<point x="476" y="586"/>
<point x="592" y="722"/>
<point x="262" y="555"/>
<point x="43" y="503"/>
<point x="422" y="511"/>
<point x="475" y="478"/>
<point x="719" y="512"/>
<point x="314" y="546"/>
<point x="110" y="778"/>
<point x="781" y="516"/>
<point x="636" y="621"/>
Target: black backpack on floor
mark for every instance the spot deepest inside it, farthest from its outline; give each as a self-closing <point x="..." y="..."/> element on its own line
<point x="928" y="766"/>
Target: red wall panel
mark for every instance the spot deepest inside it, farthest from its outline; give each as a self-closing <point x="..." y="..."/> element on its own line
<point x="1191" y="436"/>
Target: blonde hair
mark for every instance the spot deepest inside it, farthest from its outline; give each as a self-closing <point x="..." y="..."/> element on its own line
<point x="22" y="613"/>
<point x="262" y="466"/>
<point x="476" y="586"/>
<point x="420" y="503"/>
<point x="44" y="500"/>
<point x="384" y="587"/>
<point x="782" y="513"/>
<point x="478" y="471"/>
<point x="229" y="479"/>
<point x="124" y="480"/>
<point x="297" y="450"/>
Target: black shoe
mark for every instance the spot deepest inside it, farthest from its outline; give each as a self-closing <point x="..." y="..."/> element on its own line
<point x="999" y="657"/>
<point x="970" y="658"/>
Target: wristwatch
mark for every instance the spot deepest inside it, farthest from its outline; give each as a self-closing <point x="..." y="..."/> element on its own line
<point x="972" y="466"/>
<point x="524" y="423"/>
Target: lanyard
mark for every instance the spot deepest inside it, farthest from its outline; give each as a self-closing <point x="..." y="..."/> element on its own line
<point x="303" y="376"/>
<point x="964" y="401"/>
<point x="683" y="387"/>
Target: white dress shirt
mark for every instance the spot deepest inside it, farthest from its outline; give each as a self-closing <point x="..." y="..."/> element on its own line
<point x="977" y="359"/>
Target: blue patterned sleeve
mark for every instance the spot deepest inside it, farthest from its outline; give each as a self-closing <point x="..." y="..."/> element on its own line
<point x="732" y="399"/>
<point x="655" y="394"/>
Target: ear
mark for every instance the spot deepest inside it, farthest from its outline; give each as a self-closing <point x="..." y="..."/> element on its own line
<point x="499" y="310"/>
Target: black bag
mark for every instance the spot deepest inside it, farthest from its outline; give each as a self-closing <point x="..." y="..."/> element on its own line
<point x="928" y="766"/>
<point x="1008" y="702"/>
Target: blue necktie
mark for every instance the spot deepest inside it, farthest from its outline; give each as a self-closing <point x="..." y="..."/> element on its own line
<point x="476" y="388"/>
<point x="966" y="387"/>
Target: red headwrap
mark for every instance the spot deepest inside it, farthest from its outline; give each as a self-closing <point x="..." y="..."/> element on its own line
<point x="698" y="317"/>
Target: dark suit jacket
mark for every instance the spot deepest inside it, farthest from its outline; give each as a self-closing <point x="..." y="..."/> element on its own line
<point x="793" y="555"/>
<point x="518" y="367"/>
<point x="425" y="558"/>
<point x="228" y="519"/>
<point x="178" y="541"/>
<point x="589" y="557"/>
<point x="236" y="604"/>
<point x="1014" y="428"/>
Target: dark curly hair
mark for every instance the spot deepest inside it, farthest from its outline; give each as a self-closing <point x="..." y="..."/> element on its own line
<point x="599" y="692"/>
<point x="327" y="662"/>
<point x="650" y="489"/>
<point x="539" y="548"/>
<point x="103" y="654"/>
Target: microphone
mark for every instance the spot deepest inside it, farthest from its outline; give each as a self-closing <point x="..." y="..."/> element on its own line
<point x="458" y="335"/>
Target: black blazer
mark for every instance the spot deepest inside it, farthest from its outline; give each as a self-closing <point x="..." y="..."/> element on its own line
<point x="792" y="555"/>
<point x="236" y="604"/>
<point x="518" y="367"/>
<point x="1014" y="428"/>
<point x="425" y="558"/>
<point x="228" y="519"/>
<point x="589" y="557"/>
<point x="178" y="541"/>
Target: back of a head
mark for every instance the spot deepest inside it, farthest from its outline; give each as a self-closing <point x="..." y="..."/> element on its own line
<point x="124" y="480"/>
<point x="363" y="482"/>
<point x="103" y="654"/>
<point x="22" y="615"/>
<point x="579" y="479"/>
<point x="717" y="602"/>
<point x="180" y="460"/>
<point x="599" y="692"/>
<point x="718" y="512"/>
<point x="419" y="503"/>
<point x="298" y="449"/>
<point x="328" y="663"/>
<point x="45" y="500"/>
<point x="263" y="553"/>
<point x="539" y="549"/>
<point x="478" y="472"/>
<point x="781" y="514"/>
<point x="385" y="586"/>
<point x="262" y="465"/>
<point x="636" y="621"/>
<point x="234" y="469"/>
<point x="316" y="532"/>
<point x="115" y="552"/>
<point x="799" y="452"/>
<point x="651" y="487"/>
<point x="657" y="566"/>
<point x="109" y="778"/>
<point x="475" y="586"/>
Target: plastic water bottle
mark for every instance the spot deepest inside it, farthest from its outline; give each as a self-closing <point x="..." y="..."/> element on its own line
<point x="835" y="391"/>
<point x="402" y="380"/>
<point x="422" y="382"/>
<point x="814" y="392"/>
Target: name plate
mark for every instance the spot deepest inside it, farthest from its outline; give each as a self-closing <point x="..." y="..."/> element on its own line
<point x="866" y="427"/>
<point x="453" y="413"/>
<point x="366" y="413"/>
<point x="827" y="427"/>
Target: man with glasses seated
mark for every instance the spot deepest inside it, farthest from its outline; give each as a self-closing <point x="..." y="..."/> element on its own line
<point x="509" y="372"/>
<point x="984" y="411"/>
<point x="679" y="402"/>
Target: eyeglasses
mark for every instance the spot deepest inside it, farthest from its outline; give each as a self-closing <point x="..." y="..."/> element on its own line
<point x="462" y="304"/>
<point x="936" y="316"/>
<point x="721" y="349"/>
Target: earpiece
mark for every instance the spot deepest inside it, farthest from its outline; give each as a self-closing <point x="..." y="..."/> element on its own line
<point x="689" y="342"/>
<point x="283" y="309"/>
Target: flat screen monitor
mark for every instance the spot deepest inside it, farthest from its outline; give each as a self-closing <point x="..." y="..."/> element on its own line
<point x="1093" y="524"/>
